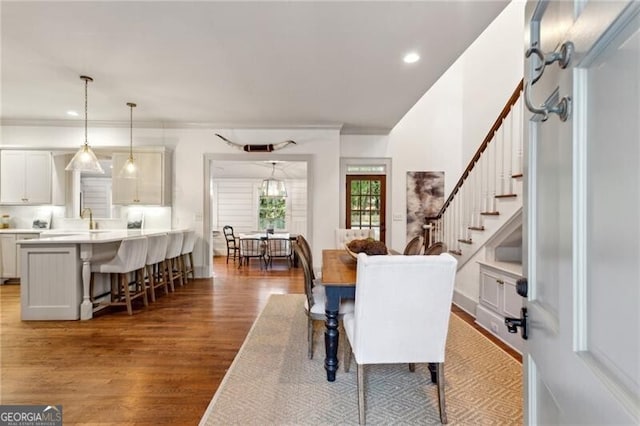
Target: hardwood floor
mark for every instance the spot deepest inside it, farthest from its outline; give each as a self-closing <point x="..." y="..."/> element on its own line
<point x="160" y="366"/>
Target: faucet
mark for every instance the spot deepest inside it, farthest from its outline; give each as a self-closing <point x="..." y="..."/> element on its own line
<point x="92" y="224"/>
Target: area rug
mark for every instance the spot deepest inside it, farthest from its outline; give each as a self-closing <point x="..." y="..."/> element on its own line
<point x="272" y="382"/>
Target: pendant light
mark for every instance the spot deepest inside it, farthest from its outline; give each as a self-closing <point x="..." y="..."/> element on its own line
<point x="85" y="160"/>
<point x="130" y="169"/>
<point x="273" y="187"/>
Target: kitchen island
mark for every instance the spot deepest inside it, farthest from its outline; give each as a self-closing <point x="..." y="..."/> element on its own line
<point x="56" y="271"/>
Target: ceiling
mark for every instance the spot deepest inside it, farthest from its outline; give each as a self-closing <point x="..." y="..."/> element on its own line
<point x="230" y="64"/>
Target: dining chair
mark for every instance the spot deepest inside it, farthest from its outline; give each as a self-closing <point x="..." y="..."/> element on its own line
<point x="306" y="252"/>
<point x="414" y="247"/>
<point x="344" y="236"/>
<point x="314" y="305"/>
<point x="233" y="246"/>
<point x="436" y="248"/>
<point x="251" y="248"/>
<point x="279" y="248"/>
<point x="401" y="315"/>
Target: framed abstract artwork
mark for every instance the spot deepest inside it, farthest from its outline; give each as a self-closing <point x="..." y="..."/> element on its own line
<point x="425" y="197"/>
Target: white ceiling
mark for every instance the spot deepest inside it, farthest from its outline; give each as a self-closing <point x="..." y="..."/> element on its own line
<point x="230" y="64"/>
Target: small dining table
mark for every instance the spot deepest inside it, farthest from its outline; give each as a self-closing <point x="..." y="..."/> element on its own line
<point x="339" y="280"/>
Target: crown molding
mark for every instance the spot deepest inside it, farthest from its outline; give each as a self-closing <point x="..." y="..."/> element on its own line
<point x="162" y="124"/>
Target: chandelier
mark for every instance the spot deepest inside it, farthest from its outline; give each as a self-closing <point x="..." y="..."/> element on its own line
<point x="272" y="187"/>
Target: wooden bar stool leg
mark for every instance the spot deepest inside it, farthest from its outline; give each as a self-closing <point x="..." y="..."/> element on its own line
<point x="192" y="270"/>
<point x="162" y="278"/>
<point x="124" y="282"/>
<point x="152" y="282"/>
<point x="166" y="267"/>
<point x="140" y="287"/>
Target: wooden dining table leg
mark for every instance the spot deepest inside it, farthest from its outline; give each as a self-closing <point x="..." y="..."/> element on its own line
<point x="331" y="334"/>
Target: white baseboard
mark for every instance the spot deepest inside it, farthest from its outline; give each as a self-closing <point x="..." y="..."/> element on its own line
<point x="465" y="303"/>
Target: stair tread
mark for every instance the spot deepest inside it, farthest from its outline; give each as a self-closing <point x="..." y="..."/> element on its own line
<point x="506" y="195"/>
<point x="490" y="213"/>
<point x="465" y="241"/>
<point x="476" y="228"/>
<point x="516" y="175"/>
<point x="456" y="252"/>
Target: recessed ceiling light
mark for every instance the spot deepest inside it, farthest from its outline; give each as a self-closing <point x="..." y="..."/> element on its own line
<point x="73" y="113"/>
<point x="412" y="57"/>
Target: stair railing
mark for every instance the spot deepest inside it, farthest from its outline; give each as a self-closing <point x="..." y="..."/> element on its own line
<point x="488" y="177"/>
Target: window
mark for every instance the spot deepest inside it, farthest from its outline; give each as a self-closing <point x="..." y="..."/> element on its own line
<point x="272" y="213"/>
<point x="366" y="203"/>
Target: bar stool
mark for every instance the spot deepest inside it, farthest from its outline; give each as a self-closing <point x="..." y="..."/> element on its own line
<point x="187" y="255"/>
<point x="155" y="264"/>
<point x="130" y="258"/>
<point x="172" y="258"/>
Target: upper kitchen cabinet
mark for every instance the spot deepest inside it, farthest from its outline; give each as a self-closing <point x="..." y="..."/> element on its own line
<point x="152" y="186"/>
<point x="25" y="177"/>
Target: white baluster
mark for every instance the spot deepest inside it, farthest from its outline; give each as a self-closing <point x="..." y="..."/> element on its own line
<point x="500" y="159"/>
<point x="519" y="136"/>
<point x="508" y="148"/>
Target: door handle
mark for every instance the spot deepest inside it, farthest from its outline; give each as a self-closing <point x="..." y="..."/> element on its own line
<point x="522" y="322"/>
<point x="522" y="287"/>
<point x="563" y="57"/>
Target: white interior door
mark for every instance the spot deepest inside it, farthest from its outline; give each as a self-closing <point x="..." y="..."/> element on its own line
<point x="582" y="203"/>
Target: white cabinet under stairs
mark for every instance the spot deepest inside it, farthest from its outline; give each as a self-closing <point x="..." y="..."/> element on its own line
<point x="498" y="299"/>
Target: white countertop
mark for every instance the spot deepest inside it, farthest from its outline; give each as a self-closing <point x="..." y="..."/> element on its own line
<point x="509" y="267"/>
<point x="20" y="231"/>
<point x="55" y="236"/>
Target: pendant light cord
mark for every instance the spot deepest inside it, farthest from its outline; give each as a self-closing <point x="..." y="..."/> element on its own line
<point x="131" y="105"/>
<point x="131" y="131"/>
<point x="86" y="114"/>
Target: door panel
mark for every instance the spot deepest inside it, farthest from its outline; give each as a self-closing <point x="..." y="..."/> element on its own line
<point x="366" y="203"/>
<point x="612" y="205"/>
<point x="582" y="359"/>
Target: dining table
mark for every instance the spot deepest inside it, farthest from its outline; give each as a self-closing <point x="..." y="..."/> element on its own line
<point x="339" y="280"/>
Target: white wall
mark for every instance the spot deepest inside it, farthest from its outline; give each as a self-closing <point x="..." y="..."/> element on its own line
<point x="444" y="128"/>
<point x="493" y="66"/>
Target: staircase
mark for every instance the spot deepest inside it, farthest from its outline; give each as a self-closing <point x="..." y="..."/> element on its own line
<point x="488" y="195"/>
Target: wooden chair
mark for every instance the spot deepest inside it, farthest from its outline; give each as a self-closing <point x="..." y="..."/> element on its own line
<point x="402" y="311"/>
<point x="414" y="247"/>
<point x="252" y="248"/>
<point x="315" y="303"/>
<point x="306" y="252"/>
<point x="233" y="246"/>
<point x="279" y="248"/>
<point x="436" y="248"/>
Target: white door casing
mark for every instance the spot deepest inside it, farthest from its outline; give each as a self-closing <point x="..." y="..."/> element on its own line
<point x="582" y="208"/>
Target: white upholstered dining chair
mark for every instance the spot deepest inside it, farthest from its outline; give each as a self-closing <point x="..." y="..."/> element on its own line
<point x="343" y="236"/>
<point x="401" y="315"/>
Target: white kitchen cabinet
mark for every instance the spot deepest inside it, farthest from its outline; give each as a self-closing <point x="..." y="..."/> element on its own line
<point x="499" y="299"/>
<point x="8" y="263"/>
<point x="10" y="254"/>
<point x="25" y="177"/>
<point x="152" y="184"/>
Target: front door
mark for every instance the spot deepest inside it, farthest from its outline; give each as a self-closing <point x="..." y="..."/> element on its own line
<point x="582" y="204"/>
<point x="366" y="203"/>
